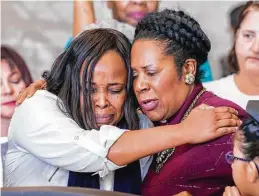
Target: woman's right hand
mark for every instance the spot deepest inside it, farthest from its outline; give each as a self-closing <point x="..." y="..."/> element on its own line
<point x="30" y="90"/>
<point x="206" y="123"/>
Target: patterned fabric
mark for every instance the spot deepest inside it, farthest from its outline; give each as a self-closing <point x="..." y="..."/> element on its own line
<point x="199" y="169"/>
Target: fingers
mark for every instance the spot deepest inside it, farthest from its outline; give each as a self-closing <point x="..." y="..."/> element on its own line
<point x="228" y="123"/>
<point x="226" y="109"/>
<point x="26" y="93"/>
<point x="31" y="91"/>
<point x="225" y="130"/>
<point x="21" y="97"/>
<point x="226" y="115"/>
<point x="231" y="191"/>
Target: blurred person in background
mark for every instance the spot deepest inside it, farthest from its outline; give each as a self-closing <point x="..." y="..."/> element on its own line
<point x="15" y="76"/>
<point x="126" y="15"/>
<point x="243" y="60"/>
<point x="234" y="21"/>
<point x="128" y="12"/>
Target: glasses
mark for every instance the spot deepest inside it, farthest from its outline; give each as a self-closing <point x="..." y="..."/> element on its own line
<point x="230" y="158"/>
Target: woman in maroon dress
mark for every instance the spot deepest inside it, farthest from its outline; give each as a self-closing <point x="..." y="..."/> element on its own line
<point x="168" y="49"/>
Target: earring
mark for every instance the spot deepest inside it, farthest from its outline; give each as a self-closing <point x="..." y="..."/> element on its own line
<point x="189" y="78"/>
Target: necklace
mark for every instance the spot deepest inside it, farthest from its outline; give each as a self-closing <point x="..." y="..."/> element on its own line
<point x="163" y="156"/>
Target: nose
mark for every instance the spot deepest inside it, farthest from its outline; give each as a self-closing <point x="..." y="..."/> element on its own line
<point x="141" y="84"/>
<point x="140" y="2"/>
<point x="255" y="45"/>
<point x="100" y="99"/>
<point x="6" y="88"/>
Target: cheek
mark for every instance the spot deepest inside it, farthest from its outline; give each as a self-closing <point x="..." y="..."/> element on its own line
<point x="117" y="102"/>
<point x="238" y="174"/>
<point x="174" y="89"/>
<point x="19" y="87"/>
<point x="242" y="50"/>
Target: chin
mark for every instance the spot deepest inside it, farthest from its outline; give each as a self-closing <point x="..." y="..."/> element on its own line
<point x="7" y="114"/>
<point x="154" y="116"/>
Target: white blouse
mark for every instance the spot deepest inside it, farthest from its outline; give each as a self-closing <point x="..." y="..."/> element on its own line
<point x="45" y="144"/>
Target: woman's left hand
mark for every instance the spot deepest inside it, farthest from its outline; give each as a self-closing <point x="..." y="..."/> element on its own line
<point x="231" y="191"/>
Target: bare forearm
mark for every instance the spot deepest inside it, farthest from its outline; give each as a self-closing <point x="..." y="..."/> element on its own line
<point x="83" y="15"/>
<point x="133" y="145"/>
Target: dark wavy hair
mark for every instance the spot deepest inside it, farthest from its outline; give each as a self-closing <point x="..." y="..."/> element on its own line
<point x="232" y="57"/>
<point x="250" y="138"/>
<point x="15" y="60"/>
<point x="180" y="34"/>
<point x="81" y="57"/>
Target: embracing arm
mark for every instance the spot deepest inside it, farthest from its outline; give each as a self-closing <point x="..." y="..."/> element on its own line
<point x="40" y="128"/>
<point x="209" y="124"/>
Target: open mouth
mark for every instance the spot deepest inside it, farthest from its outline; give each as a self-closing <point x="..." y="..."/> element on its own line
<point x="104" y="119"/>
<point x="149" y="104"/>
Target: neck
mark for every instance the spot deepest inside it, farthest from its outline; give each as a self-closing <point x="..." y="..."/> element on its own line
<point x="4" y="126"/>
<point x="248" y="85"/>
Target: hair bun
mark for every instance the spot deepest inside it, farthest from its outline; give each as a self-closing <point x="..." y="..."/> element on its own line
<point x="180" y="27"/>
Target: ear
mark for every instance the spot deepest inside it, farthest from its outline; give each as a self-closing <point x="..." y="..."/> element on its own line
<point x="190" y="66"/>
<point x="252" y="173"/>
<point x="109" y="4"/>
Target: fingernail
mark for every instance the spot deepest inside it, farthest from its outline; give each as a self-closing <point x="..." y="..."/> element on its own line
<point x="28" y="96"/>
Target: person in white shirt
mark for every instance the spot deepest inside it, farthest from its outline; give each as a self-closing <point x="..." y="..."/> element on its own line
<point x="59" y="136"/>
<point x="243" y="85"/>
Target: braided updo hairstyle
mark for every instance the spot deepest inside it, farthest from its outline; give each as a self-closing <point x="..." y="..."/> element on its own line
<point x="181" y="36"/>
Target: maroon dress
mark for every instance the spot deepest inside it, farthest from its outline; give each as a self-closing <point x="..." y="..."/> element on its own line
<point x="199" y="169"/>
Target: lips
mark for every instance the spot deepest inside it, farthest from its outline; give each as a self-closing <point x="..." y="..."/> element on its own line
<point x="137" y="15"/>
<point x="149" y="104"/>
<point x="104" y="119"/>
<point x="9" y="103"/>
<point x="254" y="58"/>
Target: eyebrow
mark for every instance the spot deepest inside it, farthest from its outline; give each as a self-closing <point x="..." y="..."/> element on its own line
<point x="111" y="84"/>
<point x="115" y="84"/>
<point x="146" y="66"/>
<point x="249" y="30"/>
<point x="14" y="72"/>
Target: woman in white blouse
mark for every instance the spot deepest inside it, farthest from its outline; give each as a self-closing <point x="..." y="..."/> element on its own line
<point x="243" y="85"/>
<point x="60" y="135"/>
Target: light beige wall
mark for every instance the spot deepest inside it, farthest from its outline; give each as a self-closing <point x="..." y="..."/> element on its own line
<point x="39" y="30"/>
